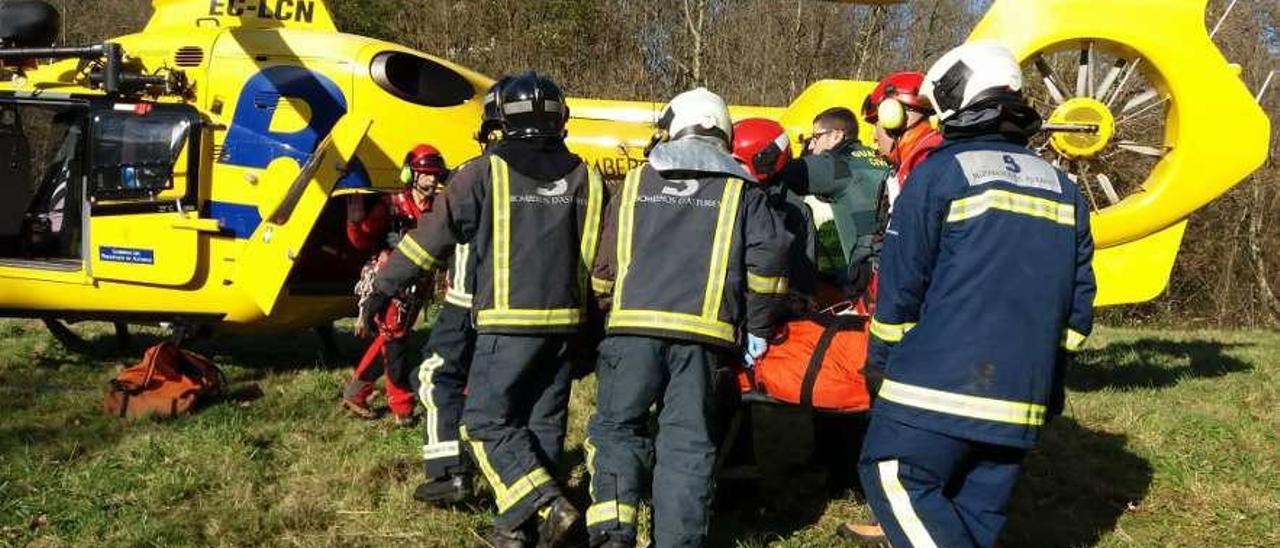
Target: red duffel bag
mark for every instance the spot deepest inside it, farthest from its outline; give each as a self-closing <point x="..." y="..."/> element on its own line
<point x="818" y="364"/>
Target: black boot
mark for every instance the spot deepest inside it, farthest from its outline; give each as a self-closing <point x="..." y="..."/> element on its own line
<point x="502" y="538"/>
<point x="613" y="543"/>
<point x="559" y="520"/>
<point x="446" y="491"/>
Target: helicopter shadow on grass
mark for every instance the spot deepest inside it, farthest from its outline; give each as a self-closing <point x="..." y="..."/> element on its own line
<point x="50" y="403"/>
<point x="289" y="351"/>
<point x="1075" y="487"/>
<point x="265" y="353"/>
<point x="1152" y="363"/>
<point x="785" y="467"/>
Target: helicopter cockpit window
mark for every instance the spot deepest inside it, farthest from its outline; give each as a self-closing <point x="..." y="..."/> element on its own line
<point x="420" y="80"/>
<point x="134" y="156"/>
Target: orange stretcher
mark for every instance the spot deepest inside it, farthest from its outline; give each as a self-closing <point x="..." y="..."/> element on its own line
<point x="818" y="363"/>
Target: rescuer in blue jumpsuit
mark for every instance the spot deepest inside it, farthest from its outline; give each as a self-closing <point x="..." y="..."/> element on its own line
<point x="986" y="287"/>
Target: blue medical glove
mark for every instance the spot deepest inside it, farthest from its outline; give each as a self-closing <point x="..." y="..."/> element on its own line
<point x="755" y="348"/>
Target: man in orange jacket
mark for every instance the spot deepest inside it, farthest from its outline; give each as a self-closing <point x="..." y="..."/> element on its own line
<point x="903" y="135"/>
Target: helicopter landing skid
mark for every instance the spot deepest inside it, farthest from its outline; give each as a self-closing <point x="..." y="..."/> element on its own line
<point x="330" y="355"/>
<point x="76" y="344"/>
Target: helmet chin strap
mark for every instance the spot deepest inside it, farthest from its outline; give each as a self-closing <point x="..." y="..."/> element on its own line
<point x="428" y="192"/>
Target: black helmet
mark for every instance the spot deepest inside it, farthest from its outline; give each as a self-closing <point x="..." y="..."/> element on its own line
<point x="491" y="121"/>
<point x="532" y="106"/>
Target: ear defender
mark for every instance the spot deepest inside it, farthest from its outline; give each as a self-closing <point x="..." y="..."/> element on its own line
<point x="406" y="175"/>
<point x="893" y="116"/>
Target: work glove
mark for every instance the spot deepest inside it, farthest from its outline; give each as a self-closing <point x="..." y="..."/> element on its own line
<point x="755" y="348"/>
<point x="372" y="305"/>
<point x="860" y="274"/>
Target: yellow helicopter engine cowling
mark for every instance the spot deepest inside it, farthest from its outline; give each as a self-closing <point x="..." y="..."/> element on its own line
<point x="1215" y="134"/>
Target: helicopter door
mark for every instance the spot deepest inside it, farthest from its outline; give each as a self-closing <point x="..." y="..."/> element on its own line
<point x="143" y="183"/>
<point x="275" y="245"/>
<point x="41" y="184"/>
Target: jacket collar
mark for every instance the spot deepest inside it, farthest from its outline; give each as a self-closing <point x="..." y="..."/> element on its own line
<point x="696" y="154"/>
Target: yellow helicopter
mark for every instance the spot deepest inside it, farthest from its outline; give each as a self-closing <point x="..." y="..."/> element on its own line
<point x="187" y="173"/>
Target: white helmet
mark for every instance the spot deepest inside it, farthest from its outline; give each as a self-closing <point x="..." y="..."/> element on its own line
<point x="964" y="75"/>
<point x="697" y="112"/>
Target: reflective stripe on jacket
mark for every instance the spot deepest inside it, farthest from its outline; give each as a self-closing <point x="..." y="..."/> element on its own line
<point x="531" y="244"/>
<point x="986" y="282"/>
<point x="693" y="258"/>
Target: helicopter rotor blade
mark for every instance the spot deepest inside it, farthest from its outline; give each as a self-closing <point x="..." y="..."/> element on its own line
<point x="1050" y="80"/>
<point x="1108" y="188"/>
<point x="1085" y="71"/>
<point x="1116" y="69"/>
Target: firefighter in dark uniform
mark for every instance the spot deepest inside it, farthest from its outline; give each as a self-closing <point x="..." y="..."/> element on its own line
<point x="838" y="170"/>
<point x="693" y="257"/>
<point x="531" y="211"/>
<point x="986" y="287"/>
<point x="763" y="147"/>
<point x="442" y="376"/>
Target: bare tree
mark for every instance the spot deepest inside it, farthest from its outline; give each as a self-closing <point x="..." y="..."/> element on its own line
<point x="694" y="25"/>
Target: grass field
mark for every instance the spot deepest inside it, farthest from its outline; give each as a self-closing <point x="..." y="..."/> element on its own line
<point x="1170" y="439"/>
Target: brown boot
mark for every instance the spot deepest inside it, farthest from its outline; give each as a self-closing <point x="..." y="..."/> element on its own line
<point x="865" y="534"/>
<point x="355" y="399"/>
<point x="359" y="409"/>
<point x="404" y="421"/>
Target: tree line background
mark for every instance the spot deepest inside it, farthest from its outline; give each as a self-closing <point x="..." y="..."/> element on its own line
<point x="768" y="51"/>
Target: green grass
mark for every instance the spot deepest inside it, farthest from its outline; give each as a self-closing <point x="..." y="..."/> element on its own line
<point x="1171" y="439"/>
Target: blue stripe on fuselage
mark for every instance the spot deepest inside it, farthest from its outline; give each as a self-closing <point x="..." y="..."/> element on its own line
<point x="240" y="219"/>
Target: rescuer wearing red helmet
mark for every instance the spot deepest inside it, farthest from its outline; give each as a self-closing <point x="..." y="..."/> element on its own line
<point x="763" y="146"/>
<point x="900" y="114"/>
<point x="377" y="228"/>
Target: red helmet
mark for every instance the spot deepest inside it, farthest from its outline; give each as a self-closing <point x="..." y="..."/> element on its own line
<point x="425" y="159"/>
<point x="422" y="159"/>
<point x="762" y="145"/>
<point x="887" y="105"/>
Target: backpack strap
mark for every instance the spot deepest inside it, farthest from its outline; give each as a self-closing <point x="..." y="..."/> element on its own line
<point x="815" y="366"/>
<point x="124" y="405"/>
<point x="150" y="358"/>
<point x="831" y="326"/>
